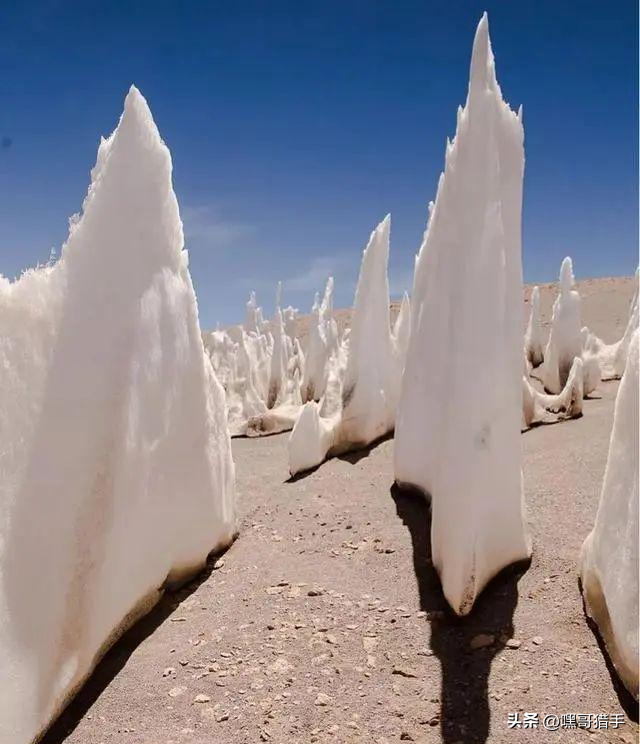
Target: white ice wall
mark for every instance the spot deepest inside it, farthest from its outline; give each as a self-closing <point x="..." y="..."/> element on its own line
<point x="533" y="339"/>
<point x="458" y="427"/>
<point x="373" y="372"/>
<point x="543" y="408"/>
<point x="609" y="560"/>
<point x="321" y="343"/>
<point x="370" y="385"/>
<point x="565" y="338"/>
<point x="115" y="462"/>
<point x="613" y="357"/>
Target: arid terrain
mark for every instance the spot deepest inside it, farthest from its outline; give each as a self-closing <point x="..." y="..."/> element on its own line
<point x="324" y="621"/>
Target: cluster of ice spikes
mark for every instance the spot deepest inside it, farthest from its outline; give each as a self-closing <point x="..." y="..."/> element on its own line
<point x="574" y="360"/>
<point x="271" y="375"/>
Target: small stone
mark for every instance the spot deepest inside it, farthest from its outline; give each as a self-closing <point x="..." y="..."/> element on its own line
<point x="175" y="692"/>
<point x="168" y="672"/>
<point x="315" y="592"/>
<point x="406" y="736"/>
<point x="202" y="699"/>
<point x="222" y="717"/>
<point x="482" y="640"/>
<point x="537" y="640"/>
<point x="322" y="699"/>
<point x="425" y="652"/>
<point x="403" y="672"/>
<point x="369" y="643"/>
<point x="513" y="643"/>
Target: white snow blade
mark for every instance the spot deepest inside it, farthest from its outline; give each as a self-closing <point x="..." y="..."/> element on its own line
<point x="533" y="337"/>
<point x="609" y="558"/>
<point x="565" y="339"/>
<point x="361" y="397"/>
<point x="459" y="418"/>
<point x="116" y="474"/>
<point x="613" y="357"/>
<point x="542" y="408"/>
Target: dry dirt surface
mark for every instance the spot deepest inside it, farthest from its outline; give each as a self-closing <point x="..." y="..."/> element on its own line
<point x="324" y="621"/>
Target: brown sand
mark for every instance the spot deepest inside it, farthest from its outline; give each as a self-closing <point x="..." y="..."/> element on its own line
<point x="325" y="622"/>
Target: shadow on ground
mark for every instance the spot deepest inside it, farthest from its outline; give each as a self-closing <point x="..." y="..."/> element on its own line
<point x="118" y="655"/>
<point x="352" y="456"/>
<point x="355" y="455"/>
<point x="465" y="715"/>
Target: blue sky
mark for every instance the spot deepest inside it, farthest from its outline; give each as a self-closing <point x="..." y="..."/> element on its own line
<point x="295" y="127"/>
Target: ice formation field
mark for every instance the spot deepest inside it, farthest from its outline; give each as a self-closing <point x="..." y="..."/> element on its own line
<point x="116" y="415"/>
<point x="261" y="366"/>
<point x="117" y="475"/>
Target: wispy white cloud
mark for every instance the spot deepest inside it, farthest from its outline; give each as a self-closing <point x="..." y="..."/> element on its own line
<point x="206" y="225"/>
<point x="309" y="280"/>
<point x="314" y="278"/>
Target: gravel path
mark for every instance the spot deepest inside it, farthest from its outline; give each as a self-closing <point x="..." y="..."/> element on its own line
<point x="324" y="622"/>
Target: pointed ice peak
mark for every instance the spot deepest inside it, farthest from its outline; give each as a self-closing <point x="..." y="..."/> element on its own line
<point x="379" y="240"/>
<point x="567" y="280"/>
<point x="136" y="127"/>
<point x="482" y="75"/>
<point x="405" y="308"/>
<point x="253" y="317"/>
<point x="134" y="100"/>
<point x="316" y="303"/>
<point x="381" y="232"/>
<point x="137" y="118"/>
<point x="535" y="296"/>
<point x="327" y="300"/>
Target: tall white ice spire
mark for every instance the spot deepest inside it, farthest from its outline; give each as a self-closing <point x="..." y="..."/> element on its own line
<point x="609" y="558"/>
<point x="565" y="337"/>
<point x="458" y="427"/>
<point x="367" y="407"/>
<point x="533" y="346"/>
<point x="116" y="474"/>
